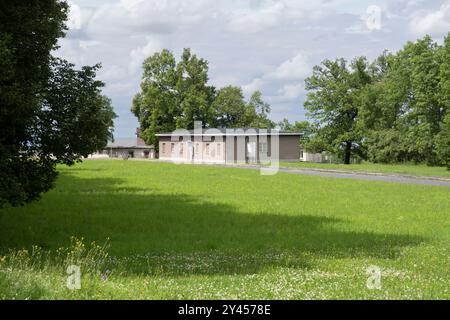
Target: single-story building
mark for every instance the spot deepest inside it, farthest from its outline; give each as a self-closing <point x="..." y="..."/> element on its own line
<point x="126" y="148"/>
<point x="229" y="145"/>
<point x="311" y="157"/>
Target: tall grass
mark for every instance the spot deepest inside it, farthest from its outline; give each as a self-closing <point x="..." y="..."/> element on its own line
<point x="24" y="274"/>
<point x="179" y="231"/>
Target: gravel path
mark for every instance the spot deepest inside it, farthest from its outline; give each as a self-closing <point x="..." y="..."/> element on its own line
<point x="433" y="181"/>
<point x="371" y="176"/>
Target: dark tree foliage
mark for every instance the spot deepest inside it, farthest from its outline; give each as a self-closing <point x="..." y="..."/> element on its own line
<point x="333" y="102"/>
<point x="443" y="142"/>
<point x="229" y="108"/>
<point x="75" y="118"/>
<point x="393" y="110"/>
<point x="49" y="112"/>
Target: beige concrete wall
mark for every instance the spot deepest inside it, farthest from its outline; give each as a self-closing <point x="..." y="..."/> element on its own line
<point x="197" y="151"/>
<point x="164" y="148"/>
<point x="137" y="153"/>
<point x="216" y="151"/>
<point x="212" y="151"/>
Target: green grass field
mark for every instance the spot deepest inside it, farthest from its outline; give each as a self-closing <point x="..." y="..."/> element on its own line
<point x="401" y="169"/>
<point x="180" y="231"/>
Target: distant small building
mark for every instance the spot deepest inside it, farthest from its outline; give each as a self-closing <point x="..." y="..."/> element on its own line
<point x="324" y="157"/>
<point x="311" y="157"/>
<point x="127" y="148"/>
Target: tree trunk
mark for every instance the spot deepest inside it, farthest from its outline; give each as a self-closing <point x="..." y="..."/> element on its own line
<point x="347" y="152"/>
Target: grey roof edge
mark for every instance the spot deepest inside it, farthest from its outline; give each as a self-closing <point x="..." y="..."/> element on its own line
<point x="124" y="143"/>
<point x="228" y="132"/>
<point x="129" y="147"/>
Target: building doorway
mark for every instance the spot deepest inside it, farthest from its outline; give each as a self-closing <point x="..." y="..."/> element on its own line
<point x="251" y="152"/>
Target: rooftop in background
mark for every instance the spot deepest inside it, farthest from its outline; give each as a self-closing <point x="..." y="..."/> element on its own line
<point x="229" y="132"/>
<point x="127" y="143"/>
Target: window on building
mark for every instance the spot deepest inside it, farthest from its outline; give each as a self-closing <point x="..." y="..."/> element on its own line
<point x="262" y="147"/>
<point x="163" y="148"/>
<point x="218" y="149"/>
<point x="172" y="147"/>
<point x="207" y="149"/>
<point x="301" y="154"/>
<point x="181" y="148"/>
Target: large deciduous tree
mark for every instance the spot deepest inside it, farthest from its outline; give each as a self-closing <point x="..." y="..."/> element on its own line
<point x="257" y="112"/>
<point x="421" y="123"/>
<point x="393" y="108"/>
<point x="156" y="106"/>
<point x="230" y="110"/>
<point x="333" y="102"/>
<point x="443" y="142"/>
<point x="49" y="112"/>
<point x="75" y="119"/>
<point x="443" y="138"/>
<point x="175" y="94"/>
<point x="404" y="109"/>
<point x="194" y="94"/>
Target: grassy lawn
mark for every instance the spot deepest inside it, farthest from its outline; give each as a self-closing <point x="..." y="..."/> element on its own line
<point x="405" y="169"/>
<point x="180" y="231"/>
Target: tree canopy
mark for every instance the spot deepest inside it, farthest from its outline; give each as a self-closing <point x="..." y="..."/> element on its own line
<point x="333" y="101"/>
<point x="175" y="94"/>
<point x="390" y="110"/>
<point x="50" y="113"/>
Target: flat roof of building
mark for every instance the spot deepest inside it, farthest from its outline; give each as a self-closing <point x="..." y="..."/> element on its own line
<point x="228" y="132"/>
<point x="126" y="143"/>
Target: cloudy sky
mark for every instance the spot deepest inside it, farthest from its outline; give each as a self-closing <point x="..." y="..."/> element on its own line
<point x="266" y="45"/>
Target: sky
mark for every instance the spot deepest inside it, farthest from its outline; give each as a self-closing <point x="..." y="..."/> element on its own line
<point x="265" y="45"/>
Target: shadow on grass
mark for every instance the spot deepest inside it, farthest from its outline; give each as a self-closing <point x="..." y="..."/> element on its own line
<point x="180" y="234"/>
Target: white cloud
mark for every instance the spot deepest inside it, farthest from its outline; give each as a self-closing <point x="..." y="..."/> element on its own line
<point x="309" y="10"/>
<point x="131" y="5"/>
<point x="220" y="81"/>
<point x="291" y="91"/>
<point x="138" y="55"/>
<point x="250" y="21"/>
<point x="142" y="17"/>
<point x="266" y="45"/>
<point x="272" y="13"/>
<point x="436" y="23"/>
<point x="113" y="74"/>
<point x="85" y="44"/>
<point x="255" y="85"/>
<point x="293" y="69"/>
<point x="74" y="19"/>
